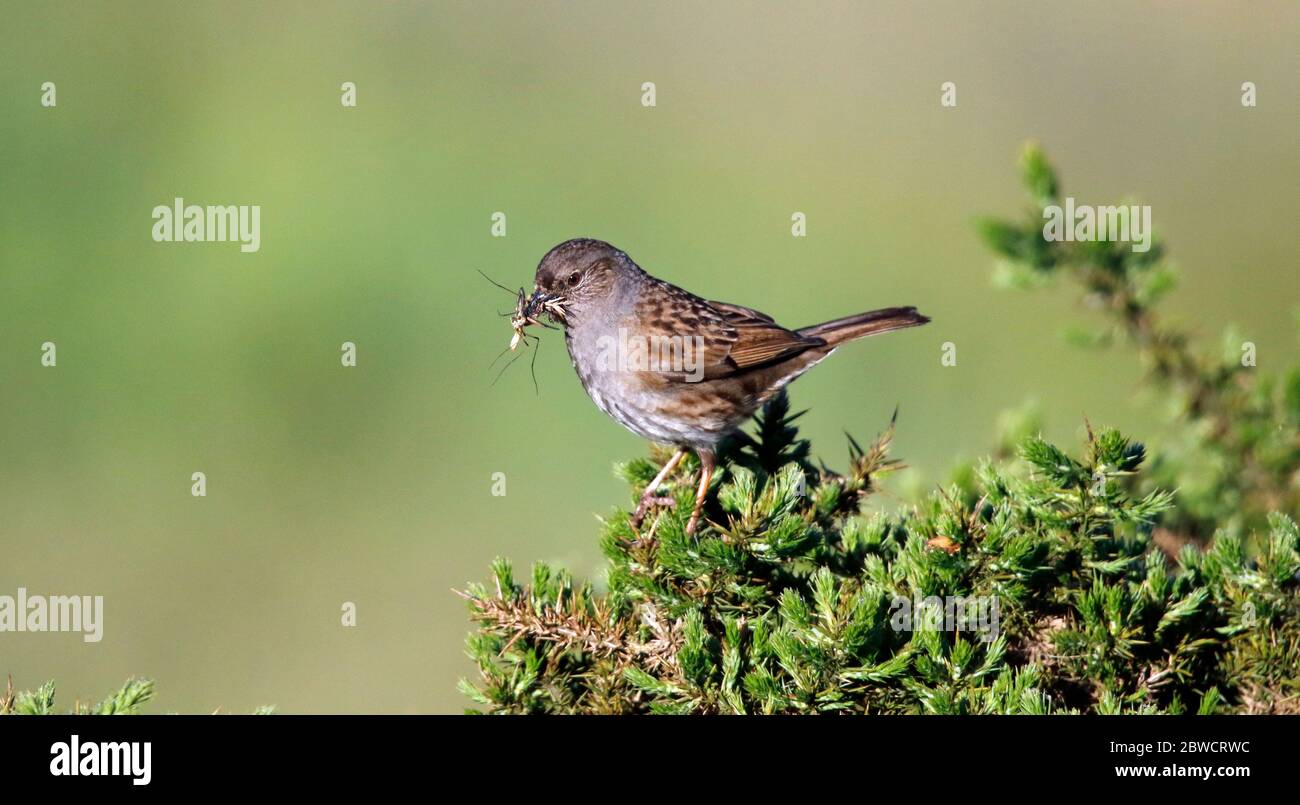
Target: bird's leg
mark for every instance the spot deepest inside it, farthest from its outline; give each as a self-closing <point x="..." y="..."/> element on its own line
<point x="648" y="498"/>
<point x="706" y="475"/>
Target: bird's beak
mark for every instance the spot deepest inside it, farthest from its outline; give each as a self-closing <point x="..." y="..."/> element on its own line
<point x="536" y="300"/>
<point x="550" y="304"/>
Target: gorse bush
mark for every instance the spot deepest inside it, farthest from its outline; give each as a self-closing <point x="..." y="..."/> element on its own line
<point x="788" y="602"/>
<point x="1034" y="583"/>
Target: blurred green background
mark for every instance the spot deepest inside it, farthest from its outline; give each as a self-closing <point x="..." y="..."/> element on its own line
<point x="373" y="484"/>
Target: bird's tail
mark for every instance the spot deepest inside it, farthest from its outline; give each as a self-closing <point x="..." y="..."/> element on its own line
<point x="851" y="328"/>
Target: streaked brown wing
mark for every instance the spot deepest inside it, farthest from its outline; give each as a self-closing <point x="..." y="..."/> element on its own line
<point x="734" y="339"/>
<point x="759" y="340"/>
<point x="738" y="314"/>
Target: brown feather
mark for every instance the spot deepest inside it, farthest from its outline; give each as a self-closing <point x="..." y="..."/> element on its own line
<point x="851" y="328"/>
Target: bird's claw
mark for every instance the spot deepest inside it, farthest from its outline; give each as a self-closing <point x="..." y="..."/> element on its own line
<point x="649" y="501"/>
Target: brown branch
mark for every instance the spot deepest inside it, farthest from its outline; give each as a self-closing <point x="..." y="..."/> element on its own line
<point x="596" y="633"/>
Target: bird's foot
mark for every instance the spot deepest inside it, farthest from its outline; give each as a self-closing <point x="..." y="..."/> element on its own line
<point x="694" y="521"/>
<point x="649" y="498"/>
<point x="648" y="501"/>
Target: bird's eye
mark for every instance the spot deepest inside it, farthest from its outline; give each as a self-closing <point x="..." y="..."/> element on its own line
<point x="574" y="277"/>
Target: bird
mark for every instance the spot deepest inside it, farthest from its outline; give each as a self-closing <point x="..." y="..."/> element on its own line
<point x="670" y="366"/>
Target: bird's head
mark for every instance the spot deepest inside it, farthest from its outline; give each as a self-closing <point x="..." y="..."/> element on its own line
<point x="576" y="276"/>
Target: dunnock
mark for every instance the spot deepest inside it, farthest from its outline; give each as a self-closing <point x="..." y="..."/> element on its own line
<point x="672" y="367"/>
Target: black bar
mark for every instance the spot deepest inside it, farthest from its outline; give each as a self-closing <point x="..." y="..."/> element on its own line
<point x="214" y="754"/>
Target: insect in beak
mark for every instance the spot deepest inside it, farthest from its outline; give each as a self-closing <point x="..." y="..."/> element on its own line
<point x="527" y="308"/>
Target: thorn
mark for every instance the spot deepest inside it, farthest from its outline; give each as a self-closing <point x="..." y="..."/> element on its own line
<point x="855" y="449"/>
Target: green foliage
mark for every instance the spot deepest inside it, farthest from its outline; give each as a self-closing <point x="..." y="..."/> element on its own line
<point x="1234" y="448"/>
<point x="788" y="601"/>
<point x="128" y="700"/>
